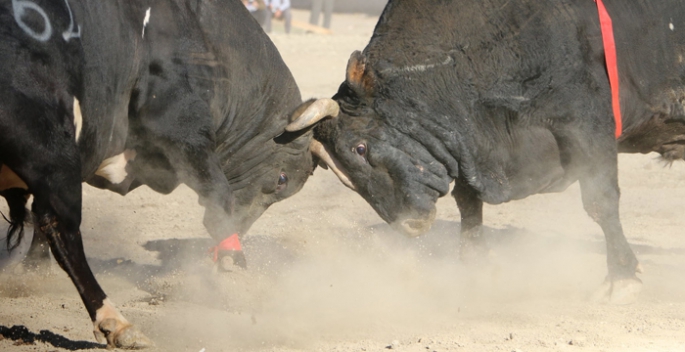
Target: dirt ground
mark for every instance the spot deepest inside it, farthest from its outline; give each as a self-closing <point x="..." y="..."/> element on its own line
<point x="327" y="274"/>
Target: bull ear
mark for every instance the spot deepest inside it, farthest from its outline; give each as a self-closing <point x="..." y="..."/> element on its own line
<point x="312" y="112"/>
<point x="357" y="76"/>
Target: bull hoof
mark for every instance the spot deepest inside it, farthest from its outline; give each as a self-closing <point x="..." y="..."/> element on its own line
<point x="131" y="338"/>
<point x="625" y="291"/>
<point x="618" y="292"/>
<point x="231" y="261"/>
<point x="127" y="337"/>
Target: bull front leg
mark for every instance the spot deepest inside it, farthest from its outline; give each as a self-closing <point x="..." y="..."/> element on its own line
<point x="219" y="218"/>
<point x="179" y="125"/>
<point x="52" y="175"/>
<point x="600" y="193"/>
<point x="108" y="324"/>
<point x="57" y="205"/>
<point x="38" y="257"/>
<point x="472" y="245"/>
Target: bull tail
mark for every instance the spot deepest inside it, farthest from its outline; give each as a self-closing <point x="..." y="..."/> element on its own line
<point x="16" y="200"/>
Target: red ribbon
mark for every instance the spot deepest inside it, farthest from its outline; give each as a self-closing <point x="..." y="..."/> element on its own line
<point x="612" y="68"/>
<point x="231" y="243"/>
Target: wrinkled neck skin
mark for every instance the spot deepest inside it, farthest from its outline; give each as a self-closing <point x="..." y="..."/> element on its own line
<point x="253" y="94"/>
<point x="246" y="128"/>
<point x="253" y="148"/>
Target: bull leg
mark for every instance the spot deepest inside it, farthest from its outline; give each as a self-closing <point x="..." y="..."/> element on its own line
<point x="57" y="205"/>
<point x="192" y="159"/>
<point x="108" y="324"/>
<point x="472" y="244"/>
<point x="16" y="201"/>
<point x="38" y="256"/>
<point x="217" y="199"/>
<point x="600" y="194"/>
<point x="53" y="176"/>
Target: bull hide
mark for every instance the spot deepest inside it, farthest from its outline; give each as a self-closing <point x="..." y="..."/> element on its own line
<point x="121" y="94"/>
<point x="507" y="99"/>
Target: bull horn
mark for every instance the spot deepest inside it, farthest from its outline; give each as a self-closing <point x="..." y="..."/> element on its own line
<point x="314" y="113"/>
<point x="319" y="150"/>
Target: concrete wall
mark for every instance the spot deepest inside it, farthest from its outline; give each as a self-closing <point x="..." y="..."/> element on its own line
<point x="371" y="7"/>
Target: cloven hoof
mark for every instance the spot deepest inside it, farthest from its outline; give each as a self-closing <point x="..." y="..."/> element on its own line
<point x="229" y="261"/>
<point x="128" y="337"/>
<point x="618" y="292"/>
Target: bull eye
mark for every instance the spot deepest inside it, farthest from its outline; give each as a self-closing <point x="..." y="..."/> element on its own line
<point x="282" y="179"/>
<point x="360" y="150"/>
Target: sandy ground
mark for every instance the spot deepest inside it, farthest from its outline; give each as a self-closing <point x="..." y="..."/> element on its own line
<point x="326" y="274"/>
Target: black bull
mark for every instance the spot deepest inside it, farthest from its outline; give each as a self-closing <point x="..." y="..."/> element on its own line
<point x="121" y="94"/>
<point x="507" y="99"/>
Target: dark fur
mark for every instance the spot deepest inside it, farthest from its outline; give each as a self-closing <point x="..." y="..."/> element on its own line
<point x="201" y="99"/>
<point x="508" y="98"/>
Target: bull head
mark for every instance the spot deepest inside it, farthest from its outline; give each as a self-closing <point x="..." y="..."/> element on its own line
<point x="360" y="81"/>
<point x="387" y="166"/>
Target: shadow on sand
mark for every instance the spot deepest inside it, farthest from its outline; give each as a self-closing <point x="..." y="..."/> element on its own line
<point x="267" y="254"/>
<point x="263" y="254"/>
<point x="21" y="335"/>
<point x="443" y="240"/>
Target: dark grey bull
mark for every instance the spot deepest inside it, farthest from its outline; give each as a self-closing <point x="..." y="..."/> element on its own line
<point x="507" y="99"/>
<point x="128" y="93"/>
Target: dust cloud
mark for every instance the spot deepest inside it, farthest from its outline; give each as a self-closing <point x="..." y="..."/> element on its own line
<point x="370" y="284"/>
<point x="326" y="274"/>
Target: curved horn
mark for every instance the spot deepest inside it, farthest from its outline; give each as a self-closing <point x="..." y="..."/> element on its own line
<point x="319" y="150"/>
<point x="314" y="113"/>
